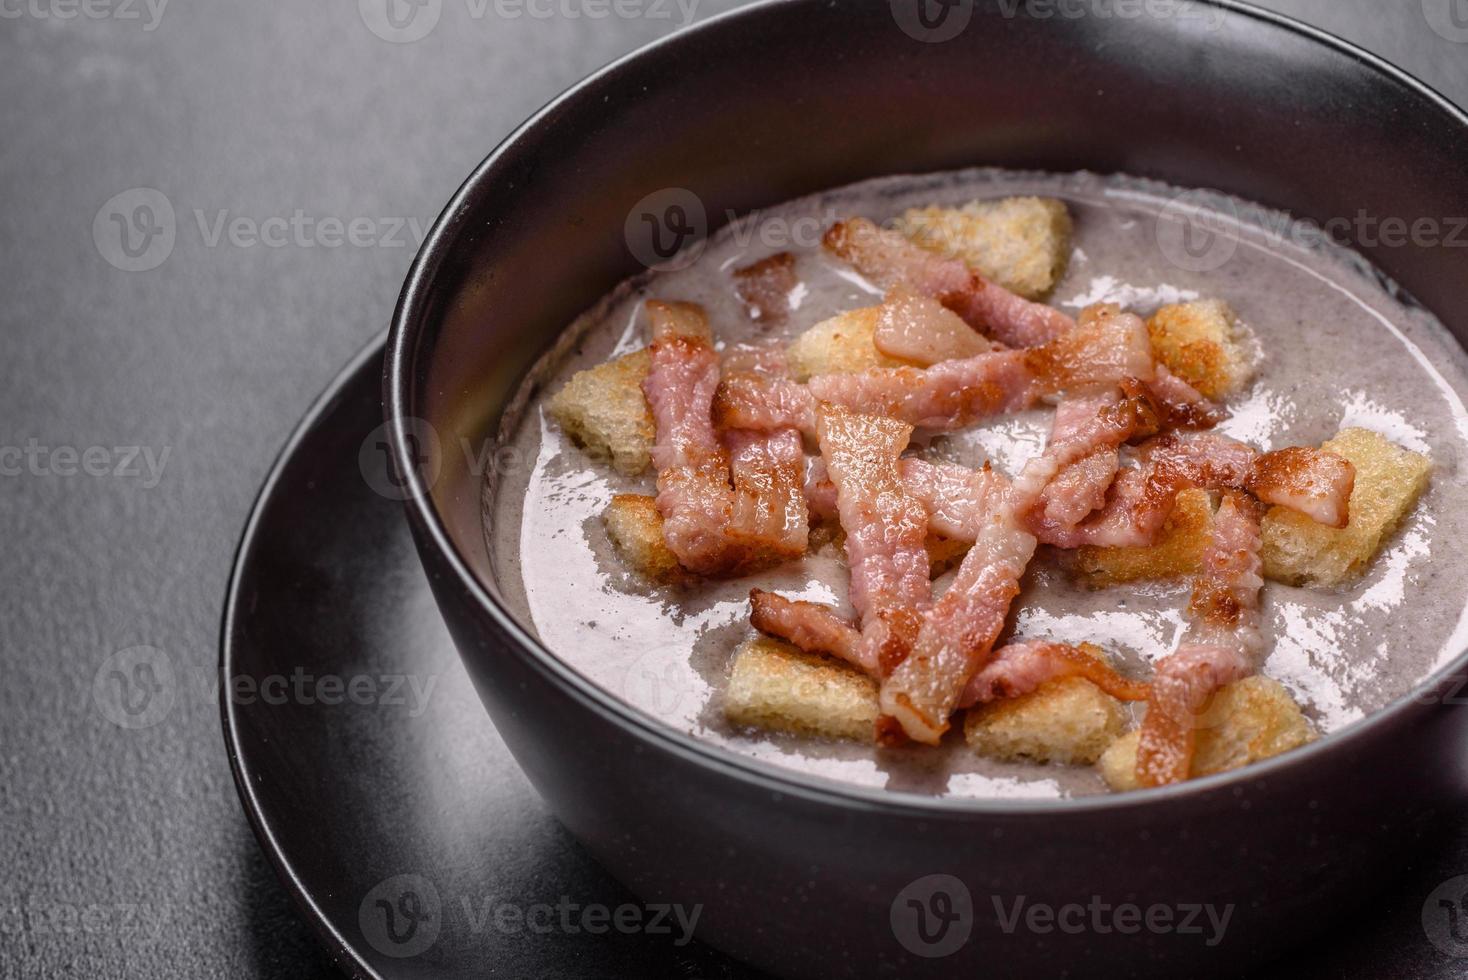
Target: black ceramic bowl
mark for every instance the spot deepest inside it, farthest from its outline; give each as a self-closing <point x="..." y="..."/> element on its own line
<point x="784" y="98"/>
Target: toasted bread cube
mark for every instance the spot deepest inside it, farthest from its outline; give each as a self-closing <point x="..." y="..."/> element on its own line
<point x="841" y="345"/>
<point x="1203" y="344"/>
<point x="604" y="411"/>
<point x="1249" y="721"/>
<point x="635" y="529"/>
<point x="777" y="687"/>
<point x="1176" y="554"/>
<point x="1068" y="720"/>
<point x="944" y="553"/>
<point x="1021" y="243"/>
<point x="1389" y="479"/>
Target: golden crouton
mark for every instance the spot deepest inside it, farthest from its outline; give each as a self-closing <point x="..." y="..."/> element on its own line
<point x="1203" y="344"/>
<point x="843" y="344"/>
<point x="776" y="687"/>
<point x="1389" y="480"/>
<point x="1021" y="243"/>
<point x="1252" y="720"/>
<point x="1068" y="720"/>
<point x="604" y="411"/>
<point x="1176" y="554"/>
<point x="635" y="529"/>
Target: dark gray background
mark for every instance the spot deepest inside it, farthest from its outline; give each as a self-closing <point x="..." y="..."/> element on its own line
<point x="124" y="852"/>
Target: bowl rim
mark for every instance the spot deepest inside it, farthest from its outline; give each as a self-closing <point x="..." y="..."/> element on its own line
<point x="423" y="515"/>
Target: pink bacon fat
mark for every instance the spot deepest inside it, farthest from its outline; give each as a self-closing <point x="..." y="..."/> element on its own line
<point x="1022" y="668"/>
<point x="890" y="259"/>
<point x="917" y="328"/>
<point x="762" y="402"/>
<point x="1222" y="644"/>
<point x="1106" y="348"/>
<point x="764" y="287"/>
<point x="809" y="626"/>
<point x="886" y="529"/>
<point x="957" y="635"/>
<point x="1142" y="497"/>
<point x="713" y="526"/>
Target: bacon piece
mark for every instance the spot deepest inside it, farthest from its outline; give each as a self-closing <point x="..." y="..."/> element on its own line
<point x="764" y="402"/>
<point x="809" y="626"/>
<point x="1080" y="488"/>
<point x="890" y="259"/>
<point x="1222" y="644"/>
<point x="1021" y="668"/>
<point x="1179" y="403"/>
<point x="886" y="530"/>
<point x="713" y="526"/>
<point x="1142" y="497"/>
<point x="764" y="288"/>
<point x="1313" y="482"/>
<point x="958" y="500"/>
<point x="922" y="330"/>
<point x="1107" y="347"/>
<point x="957" y="635"/>
<point x="820" y="492"/>
<point x="770" y="516"/>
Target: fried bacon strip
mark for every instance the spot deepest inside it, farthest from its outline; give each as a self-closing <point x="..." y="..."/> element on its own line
<point x="1318" y="484"/>
<point x="886" y="529"/>
<point x="764" y="287"/>
<point x="922" y="330"/>
<point x="957" y="635"/>
<point x="958" y="500"/>
<point x="1107" y="347"/>
<point x="714" y="526"/>
<point x="808" y="625"/>
<point x="890" y="259"/>
<point x="763" y="402"/>
<point x="1021" y="668"/>
<point x="1222" y="644"/>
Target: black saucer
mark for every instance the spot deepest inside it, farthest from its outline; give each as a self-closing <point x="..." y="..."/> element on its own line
<point x="398" y="820"/>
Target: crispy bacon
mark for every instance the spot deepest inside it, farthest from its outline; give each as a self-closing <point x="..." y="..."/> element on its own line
<point x="1107" y="347"/>
<point x="809" y="626"/>
<point x="1179" y="403"/>
<point x="1222" y="644"/>
<point x="958" y="500"/>
<point x="1021" y="668"/>
<point x="1142" y="497"/>
<point x="1313" y="482"/>
<point x="764" y="288"/>
<point x="764" y="402"/>
<point x="889" y="259"/>
<point x="1080" y="488"/>
<point x="713" y="526"/>
<point x="957" y="635"/>
<point x="917" y="328"/>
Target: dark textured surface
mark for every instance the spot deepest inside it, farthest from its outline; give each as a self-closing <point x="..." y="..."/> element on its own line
<point x="124" y="852"/>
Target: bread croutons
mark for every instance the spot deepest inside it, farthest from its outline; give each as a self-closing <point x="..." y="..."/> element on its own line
<point x="776" y="687"/>
<point x="842" y="344"/>
<point x="635" y="529"/>
<point x="1068" y="720"/>
<point x="1389" y="479"/>
<point x="1020" y="243"/>
<point x="1177" y="553"/>
<point x="1247" y="722"/>
<point x="1203" y="344"/>
<point x="604" y="411"/>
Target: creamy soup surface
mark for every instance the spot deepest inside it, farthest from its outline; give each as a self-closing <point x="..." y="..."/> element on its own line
<point x="1338" y="349"/>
